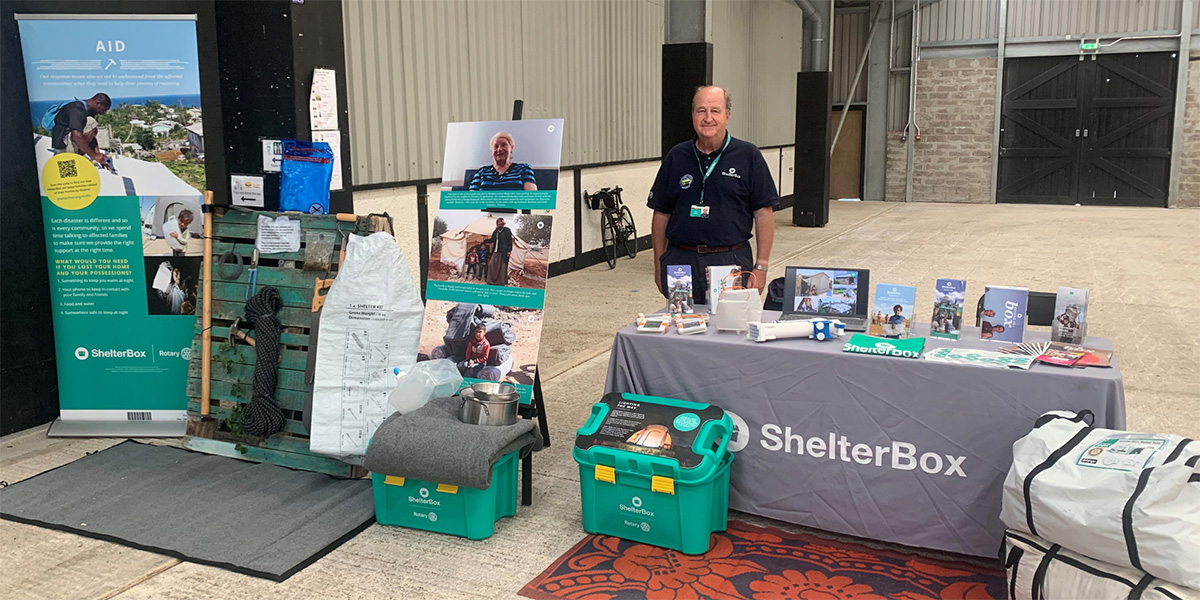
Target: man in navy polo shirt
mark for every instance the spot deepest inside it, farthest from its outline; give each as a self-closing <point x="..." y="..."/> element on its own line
<point x="708" y="193"/>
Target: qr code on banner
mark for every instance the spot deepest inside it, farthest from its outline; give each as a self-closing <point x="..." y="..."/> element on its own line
<point x="67" y="168"/>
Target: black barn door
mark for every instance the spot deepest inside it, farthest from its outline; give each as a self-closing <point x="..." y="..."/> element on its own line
<point x="1095" y="131"/>
<point x="1128" y="118"/>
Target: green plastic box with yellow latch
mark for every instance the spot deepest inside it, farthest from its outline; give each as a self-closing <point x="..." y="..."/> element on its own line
<point x="655" y="470"/>
<point x="461" y="511"/>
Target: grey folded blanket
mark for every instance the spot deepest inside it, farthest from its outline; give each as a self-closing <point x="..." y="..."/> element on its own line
<point x="431" y="444"/>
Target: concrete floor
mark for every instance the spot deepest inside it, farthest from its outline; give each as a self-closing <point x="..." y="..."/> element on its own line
<point x="1142" y="267"/>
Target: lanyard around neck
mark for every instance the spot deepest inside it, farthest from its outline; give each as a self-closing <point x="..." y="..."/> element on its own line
<point x="704" y="177"/>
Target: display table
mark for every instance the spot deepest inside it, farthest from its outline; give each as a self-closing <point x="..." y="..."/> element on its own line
<point x="903" y="450"/>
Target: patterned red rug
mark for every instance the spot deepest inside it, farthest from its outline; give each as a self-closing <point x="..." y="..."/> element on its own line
<point x="758" y="563"/>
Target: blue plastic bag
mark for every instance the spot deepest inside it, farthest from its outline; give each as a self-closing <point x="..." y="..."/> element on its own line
<point x="306" y="170"/>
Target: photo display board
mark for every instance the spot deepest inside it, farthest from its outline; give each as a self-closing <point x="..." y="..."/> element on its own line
<point x="488" y="265"/>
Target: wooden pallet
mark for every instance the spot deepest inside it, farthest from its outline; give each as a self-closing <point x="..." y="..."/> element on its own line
<point x="232" y="367"/>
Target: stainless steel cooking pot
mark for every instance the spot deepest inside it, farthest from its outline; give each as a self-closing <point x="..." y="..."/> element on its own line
<point x="489" y="403"/>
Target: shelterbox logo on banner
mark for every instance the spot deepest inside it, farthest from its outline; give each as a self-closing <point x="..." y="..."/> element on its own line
<point x="898" y="455"/>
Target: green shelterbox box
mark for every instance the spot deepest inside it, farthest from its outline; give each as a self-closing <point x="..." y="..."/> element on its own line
<point x="461" y="511"/>
<point x="655" y="470"/>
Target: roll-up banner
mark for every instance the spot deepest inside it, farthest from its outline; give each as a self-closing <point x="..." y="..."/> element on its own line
<point x="119" y="138"/>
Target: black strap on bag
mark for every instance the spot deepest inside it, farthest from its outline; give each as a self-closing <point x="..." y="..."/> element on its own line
<point x="1167" y="593"/>
<point x="1012" y="564"/>
<point x="1127" y="512"/>
<point x="1140" y="588"/>
<point x="1053" y="458"/>
<point x="1127" y="520"/>
<point x="1080" y="416"/>
<point x="1178" y="451"/>
<point x="1191" y="462"/>
<point x="1039" y="576"/>
<point x="1080" y="565"/>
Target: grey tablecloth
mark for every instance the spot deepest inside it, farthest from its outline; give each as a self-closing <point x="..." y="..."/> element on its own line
<point x="958" y="423"/>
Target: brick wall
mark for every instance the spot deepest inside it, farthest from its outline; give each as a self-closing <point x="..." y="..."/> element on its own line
<point x="956" y="101"/>
<point x="1189" y="168"/>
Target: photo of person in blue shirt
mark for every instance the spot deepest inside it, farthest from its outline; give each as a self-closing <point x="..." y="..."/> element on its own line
<point x="895" y="323"/>
<point x="503" y="173"/>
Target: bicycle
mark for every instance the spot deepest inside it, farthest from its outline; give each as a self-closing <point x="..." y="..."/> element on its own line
<point x="616" y="223"/>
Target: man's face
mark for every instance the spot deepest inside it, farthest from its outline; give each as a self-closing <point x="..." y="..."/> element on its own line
<point x="95" y="108"/>
<point x="709" y="117"/>
<point x="499" y="223"/>
<point x="501" y="150"/>
<point x="897" y="310"/>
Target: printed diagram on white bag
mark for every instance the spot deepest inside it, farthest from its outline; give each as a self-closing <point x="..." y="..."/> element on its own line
<point x="1120" y="453"/>
<point x="366" y="384"/>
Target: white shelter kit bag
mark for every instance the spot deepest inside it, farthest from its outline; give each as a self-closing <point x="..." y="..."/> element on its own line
<point x="736" y="309"/>
<point x="1039" y="570"/>
<point x="371" y="324"/>
<point x="1130" y="499"/>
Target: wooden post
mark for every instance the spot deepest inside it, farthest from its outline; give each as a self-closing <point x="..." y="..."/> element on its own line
<point x="205" y="426"/>
<point x="206" y="315"/>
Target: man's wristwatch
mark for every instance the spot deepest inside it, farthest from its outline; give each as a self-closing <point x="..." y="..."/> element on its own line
<point x="759" y="268"/>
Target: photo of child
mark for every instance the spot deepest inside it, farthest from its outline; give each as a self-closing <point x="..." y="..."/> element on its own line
<point x="171" y="284"/>
<point x="894" y="326"/>
<point x="477" y="353"/>
<point x="492" y="343"/>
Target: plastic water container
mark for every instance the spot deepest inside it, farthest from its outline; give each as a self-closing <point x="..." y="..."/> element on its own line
<point x="430" y="506"/>
<point x="425" y="380"/>
<point x="655" y="470"/>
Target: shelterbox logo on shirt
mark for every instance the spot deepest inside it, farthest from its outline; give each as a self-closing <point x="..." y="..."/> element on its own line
<point x="902" y="456"/>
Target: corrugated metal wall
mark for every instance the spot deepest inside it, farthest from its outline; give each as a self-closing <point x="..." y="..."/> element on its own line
<point x="962" y="20"/>
<point x="412" y="67"/>
<point x="756" y="55"/>
<point x="850" y="31"/>
<point x="901" y="56"/>
<point x="1038" y="18"/>
<point x="776" y="41"/>
<point x="731" y="40"/>
<point x="957" y="20"/>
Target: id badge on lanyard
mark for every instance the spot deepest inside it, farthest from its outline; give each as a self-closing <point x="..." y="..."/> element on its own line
<point x="701" y="210"/>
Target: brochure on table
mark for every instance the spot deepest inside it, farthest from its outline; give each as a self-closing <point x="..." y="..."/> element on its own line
<point x="1070" y="316"/>
<point x="892" y="316"/>
<point x="488" y="265"/>
<point x="948" y="298"/>
<point x="1002" y="318"/>
<point x="679" y="289"/>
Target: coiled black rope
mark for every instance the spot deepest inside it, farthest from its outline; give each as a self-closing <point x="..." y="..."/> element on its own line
<point x="263" y="417"/>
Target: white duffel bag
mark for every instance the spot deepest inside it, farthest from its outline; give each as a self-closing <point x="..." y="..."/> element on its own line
<point x="1130" y="499"/>
<point x="1039" y="570"/>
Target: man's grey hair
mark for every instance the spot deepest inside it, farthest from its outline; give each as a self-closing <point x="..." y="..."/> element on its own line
<point x="728" y="96"/>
